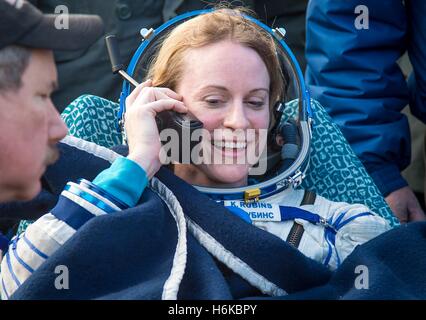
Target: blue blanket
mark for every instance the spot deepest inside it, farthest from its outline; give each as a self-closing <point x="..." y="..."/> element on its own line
<point x="145" y="252"/>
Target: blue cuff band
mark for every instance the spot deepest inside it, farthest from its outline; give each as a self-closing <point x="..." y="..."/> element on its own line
<point x="89" y="198"/>
<point x="89" y="185"/>
<point x="125" y="180"/>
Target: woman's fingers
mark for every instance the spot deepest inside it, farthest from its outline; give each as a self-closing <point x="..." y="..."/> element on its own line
<point x="139" y="112"/>
<point x="135" y="93"/>
<point x="170" y="93"/>
<point x="167" y="104"/>
<point x="142" y="105"/>
<point x="144" y="95"/>
<point x="151" y="94"/>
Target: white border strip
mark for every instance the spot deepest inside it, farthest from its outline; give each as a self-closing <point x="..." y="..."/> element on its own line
<point x="92" y="148"/>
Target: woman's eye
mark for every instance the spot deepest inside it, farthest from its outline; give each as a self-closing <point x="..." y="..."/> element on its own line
<point x="256" y="104"/>
<point x="214" y="102"/>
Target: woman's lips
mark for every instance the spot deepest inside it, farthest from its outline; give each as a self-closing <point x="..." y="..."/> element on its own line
<point x="229" y="144"/>
<point x="230" y="149"/>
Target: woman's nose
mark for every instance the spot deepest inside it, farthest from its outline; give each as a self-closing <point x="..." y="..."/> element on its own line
<point x="236" y="117"/>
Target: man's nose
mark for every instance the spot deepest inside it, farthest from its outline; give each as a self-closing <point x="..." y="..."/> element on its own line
<point x="236" y="117"/>
<point x="57" y="128"/>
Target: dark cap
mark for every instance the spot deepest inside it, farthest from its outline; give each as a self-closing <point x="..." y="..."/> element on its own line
<point x="23" y="24"/>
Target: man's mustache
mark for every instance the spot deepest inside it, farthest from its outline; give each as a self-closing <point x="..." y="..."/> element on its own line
<point x="52" y="155"/>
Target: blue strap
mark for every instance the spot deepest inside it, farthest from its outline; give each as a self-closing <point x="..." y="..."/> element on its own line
<point x="330" y="234"/>
<point x="339" y="218"/>
<point x="291" y="213"/>
<point x="330" y="247"/>
<point x="341" y="225"/>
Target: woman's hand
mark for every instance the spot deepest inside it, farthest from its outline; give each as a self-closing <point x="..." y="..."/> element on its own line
<point x="143" y="138"/>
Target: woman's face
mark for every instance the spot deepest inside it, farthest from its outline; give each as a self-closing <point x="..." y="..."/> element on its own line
<point x="226" y="86"/>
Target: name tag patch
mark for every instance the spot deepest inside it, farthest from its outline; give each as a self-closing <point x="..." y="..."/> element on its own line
<point x="257" y="211"/>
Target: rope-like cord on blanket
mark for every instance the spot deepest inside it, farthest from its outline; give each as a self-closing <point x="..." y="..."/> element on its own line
<point x="171" y="286"/>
